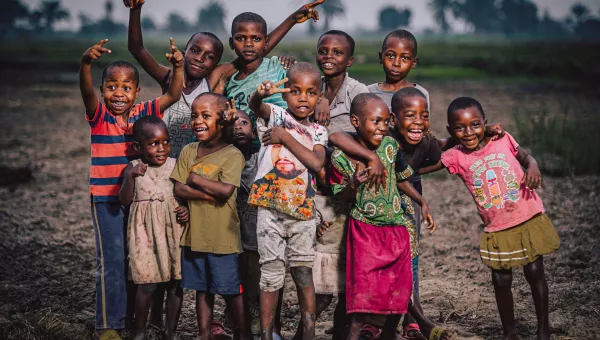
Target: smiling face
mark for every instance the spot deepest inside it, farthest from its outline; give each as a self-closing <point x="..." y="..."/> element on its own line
<point x="249" y="41"/>
<point x="412" y="120"/>
<point x="206" y="119"/>
<point x="467" y="126"/>
<point x="372" y="123"/>
<point x="201" y="56"/>
<point x="119" y="90"/>
<point x="154" y="144"/>
<point x="242" y="130"/>
<point x="305" y="93"/>
<point x="333" y="55"/>
<point x="397" y="58"/>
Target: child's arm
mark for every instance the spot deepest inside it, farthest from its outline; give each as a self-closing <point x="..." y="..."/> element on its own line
<point x="130" y="173"/>
<point x="313" y="160"/>
<point x="345" y="142"/>
<point x="432" y="168"/>
<point x="264" y="90"/>
<point x="217" y="189"/>
<point x="361" y="175"/>
<point x="135" y="44"/>
<point x="173" y="94"/>
<point x="411" y="192"/>
<point x="303" y="14"/>
<point x="188" y="193"/>
<point x="533" y="176"/>
<point x="85" y="77"/>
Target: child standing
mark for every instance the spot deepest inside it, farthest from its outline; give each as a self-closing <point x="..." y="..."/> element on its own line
<point x="207" y="175"/>
<point x="517" y="232"/>
<point x="155" y="223"/>
<point x="110" y="128"/>
<point x="378" y="272"/>
<point x="293" y="151"/>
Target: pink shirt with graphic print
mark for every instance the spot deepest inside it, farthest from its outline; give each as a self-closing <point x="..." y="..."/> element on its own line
<point x="495" y="178"/>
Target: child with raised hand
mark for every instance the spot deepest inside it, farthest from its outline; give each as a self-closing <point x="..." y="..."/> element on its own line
<point x="517" y="232"/>
<point x="111" y="122"/>
<point x="155" y="223"/>
<point x="378" y="259"/>
<point x="207" y="175"/>
<point x="293" y="151"/>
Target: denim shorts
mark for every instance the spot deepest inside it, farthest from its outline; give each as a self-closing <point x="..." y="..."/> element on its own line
<point x="213" y="273"/>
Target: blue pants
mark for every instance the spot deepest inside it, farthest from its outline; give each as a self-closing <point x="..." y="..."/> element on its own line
<point x="110" y="222"/>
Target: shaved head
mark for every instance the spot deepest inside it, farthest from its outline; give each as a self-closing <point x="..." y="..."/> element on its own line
<point x="361" y="102"/>
<point x="306" y="70"/>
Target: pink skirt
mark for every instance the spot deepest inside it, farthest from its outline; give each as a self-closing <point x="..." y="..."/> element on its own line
<point x="378" y="271"/>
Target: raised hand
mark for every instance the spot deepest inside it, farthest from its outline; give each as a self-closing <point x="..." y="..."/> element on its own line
<point x="230" y="114"/>
<point x="139" y="170"/>
<point x="495" y="131"/>
<point x="95" y="52"/>
<point x="175" y="57"/>
<point x="267" y="88"/>
<point x="307" y="12"/>
<point x="133" y="4"/>
<point x="360" y="176"/>
<point x="287" y="61"/>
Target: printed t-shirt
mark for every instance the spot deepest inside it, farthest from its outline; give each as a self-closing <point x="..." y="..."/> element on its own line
<point x="112" y="147"/>
<point x="494" y="176"/>
<point x="387" y="95"/>
<point x="242" y="90"/>
<point x="339" y="108"/>
<point x="383" y="206"/>
<point x="282" y="182"/>
<point x="212" y="228"/>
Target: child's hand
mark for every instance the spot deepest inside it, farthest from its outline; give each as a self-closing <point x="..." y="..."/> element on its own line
<point x="495" y="131"/>
<point x="378" y="174"/>
<point x="183" y="214"/>
<point x="322" y="112"/>
<point x="139" y="170"/>
<point x="533" y="177"/>
<point x="428" y="218"/>
<point x="307" y="12"/>
<point x="287" y="61"/>
<point x="275" y="135"/>
<point x="360" y="176"/>
<point x="230" y="115"/>
<point x="175" y="57"/>
<point x="268" y="89"/>
<point x="95" y="52"/>
<point x="323" y="228"/>
<point x="133" y="4"/>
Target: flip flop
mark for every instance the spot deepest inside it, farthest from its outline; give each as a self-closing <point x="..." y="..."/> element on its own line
<point x="412" y="328"/>
<point x="438" y="331"/>
<point x="277" y="336"/>
<point x="110" y="334"/>
<point x="368" y="332"/>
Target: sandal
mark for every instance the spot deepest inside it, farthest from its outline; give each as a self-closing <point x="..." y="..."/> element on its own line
<point x="412" y="332"/>
<point x="438" y="331"/>
<point x="110" y="334"/>
<point x="368" y="332"/>
<point x="217" y="330"/>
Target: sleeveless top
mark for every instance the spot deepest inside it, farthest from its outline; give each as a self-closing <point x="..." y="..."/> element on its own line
<point x="177" y="118"/>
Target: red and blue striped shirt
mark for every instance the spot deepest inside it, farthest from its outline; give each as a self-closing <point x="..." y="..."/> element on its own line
<point x="112" y="148"/>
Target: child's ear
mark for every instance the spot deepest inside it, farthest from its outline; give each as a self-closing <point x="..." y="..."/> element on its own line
<point x="320" y="97"/>
<point x="355" y="121"/>
<point x="231" y="43"/>
<point x="137" y="92"/>
<point x="415" y="61"/>
<point x="350" y="61"/>
<point x="393" y="119"/>
<point x="381" y="58"/>
<point x="266" y="43"/>
<point x="450" y="132"/>
<point x="136" y="146"/>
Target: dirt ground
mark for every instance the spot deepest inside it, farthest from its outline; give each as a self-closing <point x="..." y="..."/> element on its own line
<point x="47" y="245"/>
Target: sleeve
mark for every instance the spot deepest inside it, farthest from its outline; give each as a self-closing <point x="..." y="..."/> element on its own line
<point x="357" y="89"/>
<point x="151" y="108"/>
<point x="511" y="143"/>
<point x="340" y="170"/>
<point x="401" y="167"/>
<point x="336" y="180"/>
<point x="231" y="171"/>
<point x="321" y="137"/>
<point x="100" y="112"/>
<point x="434" y="151"/>
<point x="450" y="161"/>
<point x="181" y="171"/>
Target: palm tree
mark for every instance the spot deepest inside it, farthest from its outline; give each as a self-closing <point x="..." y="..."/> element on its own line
<point x="52" y="13"/>
<point x="212" y="17"/>
<point x="332" y="9"/>
<point x="439" y="9"/>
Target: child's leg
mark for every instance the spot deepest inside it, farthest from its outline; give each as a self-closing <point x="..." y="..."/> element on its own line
<point x="156" y="308"/>
<point x="389" y="328"/>
<point x="502" y="280"/>
<point x="205" y="302"/>
<point x="339" y="318"/>
<point x="357" y="321"/>
<point x="235" y="303"/>
<point x="306" y="298"/>
<point x="534" y="273"/>
<point x="174" y="301"/>
<point x="322" y="302"/>
<point x="250" y="279"/>
<point x="143" y="297"/>
<point x="109" y="220"/>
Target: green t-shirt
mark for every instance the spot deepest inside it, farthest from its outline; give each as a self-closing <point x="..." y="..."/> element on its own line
<point x="383" y="206"/>
<point x="212" y="228"/>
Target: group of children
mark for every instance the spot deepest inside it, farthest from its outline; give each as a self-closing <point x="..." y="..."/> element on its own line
<point x="241" y="170"/>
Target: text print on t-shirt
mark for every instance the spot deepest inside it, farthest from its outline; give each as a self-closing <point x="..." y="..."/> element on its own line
<point x="487" y="176"/>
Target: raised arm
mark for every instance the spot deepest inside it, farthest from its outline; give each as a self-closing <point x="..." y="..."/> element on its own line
<point x="188" y="193"/>
<point x="264" y="90"/>
<point x="533" y="176"/>
<point x="173" y="94"/>
<point x="135" y="44"/>
<point x="301" y="15"/>
<point x="217" y="189"/>
<point x="86" y="84"/>
<point x="313" y="160"/>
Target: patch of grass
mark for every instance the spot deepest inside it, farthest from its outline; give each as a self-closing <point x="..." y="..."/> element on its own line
<point x="563" y="145"/>
<point x="39" y="325"/>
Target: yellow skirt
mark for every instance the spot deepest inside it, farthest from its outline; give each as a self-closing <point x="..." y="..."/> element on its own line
<point x="519" y="245"/>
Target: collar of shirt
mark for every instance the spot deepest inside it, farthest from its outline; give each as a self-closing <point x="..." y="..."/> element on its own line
<point x="341" y="97"/>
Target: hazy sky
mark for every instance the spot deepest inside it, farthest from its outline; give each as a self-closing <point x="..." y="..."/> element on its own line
<point x="359" y="13"/>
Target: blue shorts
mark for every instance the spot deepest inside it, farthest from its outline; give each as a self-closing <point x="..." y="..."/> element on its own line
<point x="207" y="272"/>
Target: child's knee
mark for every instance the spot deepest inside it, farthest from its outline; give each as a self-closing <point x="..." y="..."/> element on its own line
<point x="302" y="276"/>
<point x="272" y="275"/>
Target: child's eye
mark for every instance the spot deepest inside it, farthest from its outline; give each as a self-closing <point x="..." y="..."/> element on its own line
<point x="210" y="56"/>
<point x="312" y="93"/>
<point x="205" y="116"/>
<point x="322" y="52"/>
<point x="153" y="144"/>
<point x="127" y="88"/>
<point x="405" y="58"/>
<point x="167" y="141"/>
<point x="295" y="91"/>
<point x="338" y="53"/>
<point x="194" y="50"/>
<point x="391" y="56"/>
<point x="256" y="39"/>
<point x="239" y="38"/>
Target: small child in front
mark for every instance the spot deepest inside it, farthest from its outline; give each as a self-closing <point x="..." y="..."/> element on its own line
<point x="207" y="175"/>
<point x="517" y="232"/>
<point x="378" y="258"/>
<point x="155" y="223"/>
<point x="111" y="123"/>
<point x="293" y="151"/>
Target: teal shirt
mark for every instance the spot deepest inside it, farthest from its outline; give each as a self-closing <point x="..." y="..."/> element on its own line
<point x="241" y="90"/>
